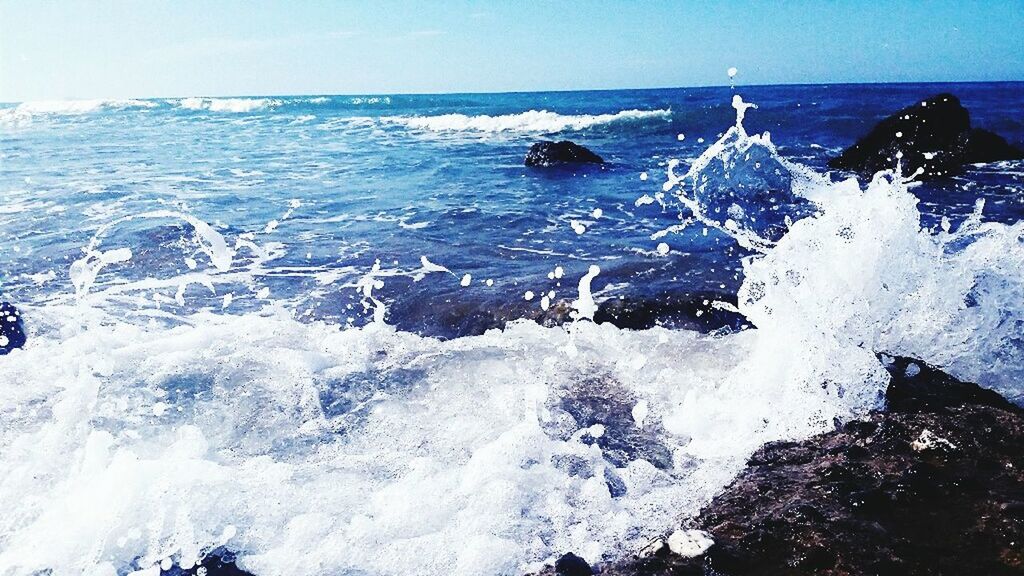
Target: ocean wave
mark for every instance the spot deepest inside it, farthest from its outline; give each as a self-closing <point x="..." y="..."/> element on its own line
<point x="372" y="100"/>
<point x="541" y="121"/>
<point x="202" y="422"/>
<point x="236" y="105"/>
<point x="199" y="426"/>
<point x="247" y="105"/>
<point x="135" y="444"/>
<point x="25" y="111"/>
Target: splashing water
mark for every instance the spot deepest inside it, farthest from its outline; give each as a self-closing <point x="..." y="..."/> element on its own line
<point x="309" y="449"/>
<point x="83" y="272"/>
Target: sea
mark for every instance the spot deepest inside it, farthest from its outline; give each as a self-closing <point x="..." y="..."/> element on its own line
<point x="355" y="335"/>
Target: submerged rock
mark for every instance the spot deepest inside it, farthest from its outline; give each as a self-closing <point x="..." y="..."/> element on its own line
<point x="548" y="153"/>
<point x="12" y="332"/>
<point x="697" y="312"/>
<point x="935" y="485"/>
<point x="601" y="402"/>
<point x="220" y="562"/>
<point x="572" y="565"/>
<point x="701" y="312"/>
<point x="934" y="137"/>
<point x="454" y="318"/>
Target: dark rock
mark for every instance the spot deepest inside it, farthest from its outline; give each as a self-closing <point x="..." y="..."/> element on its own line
<point x="916" y="386"/>
<point x="456" y="317"/>
<point x="220" y="562"/>
<point x="879" y="496"/>
<point x="934" y="136"/>
<point x="12" y="332"/>
<point x="603" y="401"/>
<point x="984" y="146"/>
<point x="687" y="312"/>
<point x="676" y="311"/>
<point x="548" y="153"/>
<point x="572" y="565"/>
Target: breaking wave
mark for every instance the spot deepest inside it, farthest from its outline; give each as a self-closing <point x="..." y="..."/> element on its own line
<point x="228" y="104"/>
<point x="540" y="121"/>
<point x="26" y="111"/>
<point x="309" y="449"/>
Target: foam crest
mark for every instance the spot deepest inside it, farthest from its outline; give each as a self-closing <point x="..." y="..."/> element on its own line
<point x="26" y="111"/>
<point x="235" y="105"/>
<point x="144" y="444"/>
<point x="846" y="273"/>
<point x="865" y="274"/>
<point x="540" y="121"/>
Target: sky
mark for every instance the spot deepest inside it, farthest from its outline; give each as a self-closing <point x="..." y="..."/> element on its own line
<point x="156" y="48"/>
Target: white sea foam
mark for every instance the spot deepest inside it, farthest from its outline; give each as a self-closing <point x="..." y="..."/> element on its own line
<point x="26" y="111"/>
<point x="244" y="441"/>
<point x="359" y="100"/>
<point x="540" y="121"/>
<point x="236" y="105"/>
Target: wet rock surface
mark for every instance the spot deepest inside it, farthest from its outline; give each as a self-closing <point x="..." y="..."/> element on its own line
<point x="934" y="136"/>
<point x="695" y="312"/>
<point x="572" y="565"/>
<point x="547" y="153"/>
<point x="690" y="311"/>
<point x="601" y="402"/>
<point x="12" y="331"/>
<point x="933" y="485"/>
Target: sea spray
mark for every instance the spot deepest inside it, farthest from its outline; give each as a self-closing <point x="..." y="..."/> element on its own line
<point x="306" y="448"/>
<point x="83" y="272"/>
<point x="584" y="306"/>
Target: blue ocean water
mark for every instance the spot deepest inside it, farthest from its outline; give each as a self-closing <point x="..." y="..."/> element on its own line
<point x="350" y="180"/>
<point x="262" y="327"/>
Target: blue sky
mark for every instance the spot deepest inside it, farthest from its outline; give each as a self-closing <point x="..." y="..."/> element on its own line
<point x="113" y="49"/>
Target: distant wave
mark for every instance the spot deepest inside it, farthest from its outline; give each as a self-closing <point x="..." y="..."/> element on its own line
<point x="530" y="121"/>
<point x="241" y="105"/>
<point x="360" y="100"/>
<point x="25" y="111"/>
<point x="228" y="104"/>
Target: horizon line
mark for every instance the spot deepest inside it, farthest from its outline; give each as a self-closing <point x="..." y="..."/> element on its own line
<point x="502" y="92"/>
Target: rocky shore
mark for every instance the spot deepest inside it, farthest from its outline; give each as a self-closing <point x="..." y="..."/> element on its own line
<point x="934" y="484"/>
<point x="931" y="485"/>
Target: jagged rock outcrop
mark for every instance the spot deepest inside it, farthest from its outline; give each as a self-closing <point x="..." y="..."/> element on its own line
<point x="932" y="485"/>
<point x="934" y="136"/>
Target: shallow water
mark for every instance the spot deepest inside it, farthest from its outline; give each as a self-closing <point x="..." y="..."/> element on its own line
<point x="191" y="270"/>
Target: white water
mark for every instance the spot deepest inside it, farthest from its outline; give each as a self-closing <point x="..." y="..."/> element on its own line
<point x="228" y="104"/>
<point x="152" y="442"/>
<point x="540" y="121"/>
<point x="24" y="113"/>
